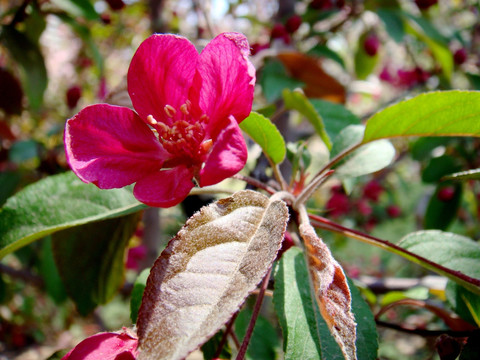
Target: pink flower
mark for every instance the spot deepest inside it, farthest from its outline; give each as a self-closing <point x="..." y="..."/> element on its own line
<point x="192" y="102"/>
<point x="105" y="346"/>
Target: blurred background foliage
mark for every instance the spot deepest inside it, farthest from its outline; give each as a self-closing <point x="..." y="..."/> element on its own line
<point x="350" y="58"/>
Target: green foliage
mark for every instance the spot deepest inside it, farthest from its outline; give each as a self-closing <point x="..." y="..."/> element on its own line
<point x="137" y="294"/>
<point x="265" y="134"/>
<point x="30" y="58"/>
<point x="90" y="259"/>
<point x="445" y="113"/>
<point x="57" y="203"/>
<point x="296" y="100"/>
<point x="305" y="333"/>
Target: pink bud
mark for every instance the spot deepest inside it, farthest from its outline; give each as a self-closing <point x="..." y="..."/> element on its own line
<point x="460" y="56"/>
<point x="425" y="4"/>
<point x="73" y="95"/>
<point x="393" y="211"/>
<point x="293" y="23"/>
<point x="371" y="45"/>
<point x="446" y="193"/>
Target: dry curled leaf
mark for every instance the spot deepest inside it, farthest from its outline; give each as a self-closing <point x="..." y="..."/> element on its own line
<point x="207" y="271"/>
<point x="331" y="291"/>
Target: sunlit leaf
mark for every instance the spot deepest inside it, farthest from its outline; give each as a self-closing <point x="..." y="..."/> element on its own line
<point x="56" y="203"/>
<point x="442" y="113"/>
<point x="207" y="271"/>
<point x="296" y="100"/>
<point x="452" y="251"/>
<point x="90" y="259"/>
<point x="265" y="134"/>
<point x="473" y="174"/>
<point x="331" y="291"/>
<point x="364" y="160"/>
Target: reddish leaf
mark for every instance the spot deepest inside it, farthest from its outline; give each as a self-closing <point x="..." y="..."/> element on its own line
<point x="331" y="291"/>
<point x="309" y="70"/>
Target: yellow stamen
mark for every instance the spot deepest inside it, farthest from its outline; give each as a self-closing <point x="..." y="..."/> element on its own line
<point x="151" y="120"/>
<point x="170" y="111"/>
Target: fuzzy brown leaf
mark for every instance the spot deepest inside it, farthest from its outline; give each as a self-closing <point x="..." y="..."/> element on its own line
<point x="207" y="271"/>
<point x="331" y="291"/>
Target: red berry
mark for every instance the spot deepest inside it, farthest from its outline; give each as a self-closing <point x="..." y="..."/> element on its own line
<point x="293" y="23"/>
<point x="364" y="207"/>
<point x="393" y="211"/>
<point x="73" y="95"/>
<point x="116" y="5"/>
<point x="460" y="56"/>
<point x="255" y="48"/>
<point x="372" y="190"/>
<point x="338" y="204"/>
<point x="425" y="4"/>
<point x="446" y="193"/>
<point x="278" y="31"/>
<point x="371" y="45"/>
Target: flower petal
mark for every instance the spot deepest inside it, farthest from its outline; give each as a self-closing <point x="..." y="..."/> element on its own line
<point x="228" y="156"/>
<point x="111" y="146"/>
<point x="161" y="73"/>
<point x="105" y="346"/>
<point x="225" y="79"/>
<point x="165" y="188"/>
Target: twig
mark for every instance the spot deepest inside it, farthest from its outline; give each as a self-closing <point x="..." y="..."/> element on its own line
<point x="228" y="330"/>
<point x="256" y="310"/>
<point x="424" y="332"/>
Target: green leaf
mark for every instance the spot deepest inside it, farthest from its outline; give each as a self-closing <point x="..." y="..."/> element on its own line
<point x="264" y="341"/>
<point x="393" y="23"/>
<point x="366" y="159"/>
<point x="274" y="80"/>
<point x="437" y="43"/>
<point x="439" y="167"/>
<point x="90" y="259"/>
<point x="209" y="349"/>
<point x="81" y="8"/>
<point x="471" y="349"/>
<point x="364" y="63"/>
<point x="137" y="294"/>
<point x="473" y="174"/>
<point x="265" y="134"/>
<point x="9" y="181"/>
<point x="50" y="274"/>
<point x="324" y="51"/>
<point x="465" y="303"/>
<point x="305" y="333"/>
<point x="442" y="113"/>
<point x="449" y="250"/>
<point x="440" y="212"/>
<point x="85" y="34"/>
<point x="335" y="116"/>
<point x="28" y="55"/>
<point x="22" y="151"/>
<point x="296" y="100"/>
<point x="56" y="203"/>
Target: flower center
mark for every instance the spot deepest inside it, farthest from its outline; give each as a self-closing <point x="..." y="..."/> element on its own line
<point x="185" y="136"/>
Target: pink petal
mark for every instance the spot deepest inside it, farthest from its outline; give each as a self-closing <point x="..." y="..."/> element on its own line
<point x="104" y="346"/>
<point x="165" y="188"/>
<point x="228" y="156"/>
<point x="111" y="146"/>
<point x="225" y="79"/>
<point x="161" y="73"/>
